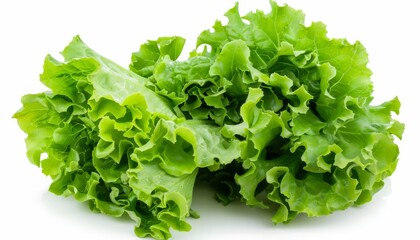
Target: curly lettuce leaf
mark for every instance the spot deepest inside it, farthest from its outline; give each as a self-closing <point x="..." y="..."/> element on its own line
<point x="143" y="62"/>
<point x="184" y="147"/>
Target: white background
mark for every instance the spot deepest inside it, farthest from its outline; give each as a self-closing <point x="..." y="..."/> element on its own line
<point x="30" y="29"/>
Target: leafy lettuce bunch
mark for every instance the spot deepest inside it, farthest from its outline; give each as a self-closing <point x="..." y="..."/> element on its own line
<point x="298" y="101"/>
<point x="107" y="139"/>
<point x="271" y="112"/>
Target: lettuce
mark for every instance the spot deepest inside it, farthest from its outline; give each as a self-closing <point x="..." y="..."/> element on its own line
<point x="299" y="102"/>
<point x="271" y="112"/>
<point x="107" y="139"/>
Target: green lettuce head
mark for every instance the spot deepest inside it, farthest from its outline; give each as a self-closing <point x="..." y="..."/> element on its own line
<point x="271" y="112"/>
